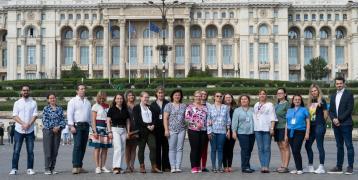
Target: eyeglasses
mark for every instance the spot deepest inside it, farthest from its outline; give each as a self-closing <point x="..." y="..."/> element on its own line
<point x="218" y="96"/>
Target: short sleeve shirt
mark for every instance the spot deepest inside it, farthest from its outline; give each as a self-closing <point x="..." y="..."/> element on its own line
<point x="101" y="111"/>
<point x="316" y="113"/>
<point x="118" y="116"/>
<point x="176" y="117"/>
<point x="300" y="115"/>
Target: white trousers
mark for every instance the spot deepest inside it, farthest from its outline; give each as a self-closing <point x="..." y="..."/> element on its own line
<point x="119" y="146"/>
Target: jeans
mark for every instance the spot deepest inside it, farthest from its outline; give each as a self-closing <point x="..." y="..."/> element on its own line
<point x="217" y="146"/>
<point x="29" y="140"/>
<point x="263" y="140"/>
<point x="119" y="144"/>
<point x="296" y="144"/>
<point x="317" y="133"/>
<point x="247" y="142"/>
<point x="147" y="137"/>
<point x="176" y="144"/>
<point x="162" y="149"/>
<point x="80" y="139"/>
<point x="196" y="140"/>
<point x="51" y="143"/>
<point x="343" y="135"/>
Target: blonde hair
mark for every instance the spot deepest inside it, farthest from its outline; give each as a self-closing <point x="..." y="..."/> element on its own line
<point x="100" y="95"/>
<point x="310" y="97"/>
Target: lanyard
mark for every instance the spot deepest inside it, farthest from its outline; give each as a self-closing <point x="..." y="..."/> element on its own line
<point x="294" y="113"/>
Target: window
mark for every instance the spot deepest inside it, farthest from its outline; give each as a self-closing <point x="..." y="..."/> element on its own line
<point x="263" y="53"/>
<point x="305" y="16"/>
<point x="68" y="34"/>
<point x="70" y="16"/>
<point x="251" y="14"/>
<point x="232" y="15"/>
<point x="43" y="54"/>
<point x="18" y="17"/>
<point x="115" y="33"/>
<point x="84" y="55"/>
<point x="308" y="34"/>
<point x="18" y="32"/>
<point x="339" y="55"/>
<point x="292" y="55"/>
<point x="43" y="32"/>
<point x="293" y="77"/>
<point x="276" y="75"/>
<point x="179" y="32"/>
<point x="292" y="35"/>
<point x="298" y="17"/>
<point x="68" y="54"/>
<point x="84" y="34"/>
<point x="133" y="55"/>
<point x="329" y="17"/>
<point x="147" y="34"/>
<point x="115" y="54"/>
<point x="275" y="13"/>
<point x="275" y="29"/>
<point x="211" y="32"/>
<point x="4" y="57"/>
<point x="251" y="53"/>
<point x="227" y="54"/>
<point x="290" y="17"/>
<point x="275" y="54"/>
<point x="263" y="30"/>
<point x="308" y="54"/>
<point x="323" y="34"/>
<point x="94" y="16"/>
<point x="62" y="17"/>
<point x="211" y="54"/>
<point x="336" y="17"/>
<point x="164" y="33"/>
<point x="344" y="16"/>
<point x="86" y="16"/>
<point x="78" y="16"/>
<point x="321" y="17"/>
<point x="43" y="16"/>
<point x="30" y="75"/>
<point x="252" y="74"/>
<point x="31" y="54"/>
<point x="31" y="32"/>
<point x="313" y="17"/>
<point x="339" y="34"/>
<point x="179" y="54"/>
<point x="198" y="15"/>
<point x="251" y="30"/>
<point x="215" y="16"/>
<point x="223" y="15"/>
<point x="99" y="34"/>
<point x="323" y="52"/>
<point x="264" y="75"/>
<point x="147" y="54"/>
<point x="228" y="32"/>
<point x="207" y="15"/>
<point x="195" y="54"/>
<point x="99" y="55"/>
<point x="18" y="55"/>
<point x="195" y="32"/>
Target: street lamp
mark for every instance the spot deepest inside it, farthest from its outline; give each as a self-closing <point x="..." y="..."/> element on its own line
<point x="163" y="48"/>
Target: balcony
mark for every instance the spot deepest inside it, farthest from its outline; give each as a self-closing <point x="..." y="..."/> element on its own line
<point x="264" y="66"/>
<point x="295" y="67"/>
<point x="31" y="67"/>
<point x="342" y="66"/>
<point x="3" y="69"/>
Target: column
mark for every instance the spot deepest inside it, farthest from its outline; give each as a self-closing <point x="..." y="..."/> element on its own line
<point x="75" y="50"/>
<point x="333" y="58"/>
<point x="38" y="58"/>
<point x="271" y="59"/>
<point x="187" y="51"/>
<point x="220" y="61"/>
<point x="170" y="43"/>
<point x="23" y="58"/>
<point x="203" y="52"/>
<point x="90" y="60"/>
<point x="302" y="59"/>
<point x="236" y="57"/>
<point x="105" y="50"/>
<point x="58" y="62"/>
<point x="352" y="63"/>
<point x="317" y="54"/>
<point x="1" y="56"/>
<point x="256" y="59"/>
<point x="348" y="60"/>
<point x="122" y="65"/>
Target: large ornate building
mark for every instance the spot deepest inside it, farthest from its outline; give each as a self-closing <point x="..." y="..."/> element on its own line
<point x="265" y="39"/>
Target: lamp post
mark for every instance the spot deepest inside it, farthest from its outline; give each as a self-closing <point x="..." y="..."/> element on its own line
<point x="163" y="48"/>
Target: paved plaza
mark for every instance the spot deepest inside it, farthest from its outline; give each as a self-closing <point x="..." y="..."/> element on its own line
<point x="64" y="166"/>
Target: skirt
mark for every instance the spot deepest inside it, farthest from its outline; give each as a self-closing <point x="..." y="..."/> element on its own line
<point x="101" y="140"/>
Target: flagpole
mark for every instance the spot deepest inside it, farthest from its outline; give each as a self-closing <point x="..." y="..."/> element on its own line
<point x="150" y="40"/>
<point x="129" y="52"/>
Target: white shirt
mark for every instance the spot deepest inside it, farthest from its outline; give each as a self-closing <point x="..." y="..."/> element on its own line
<point x="78" y="110"/>
<point x="65" y="130"/>
<point x="263" y="116"/>
<point x="146" y="114"/>
<point x="101" y="112"/>
<point x="338" y="99"/>
<point x="25" y="109"/>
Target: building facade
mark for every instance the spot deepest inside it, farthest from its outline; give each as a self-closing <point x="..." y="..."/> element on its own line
<point x="261" y="39"/>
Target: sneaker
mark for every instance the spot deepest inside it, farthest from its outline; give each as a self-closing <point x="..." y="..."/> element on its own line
<point x="54" y="172"/>
<point x="173" y="170"/>
<point x="30" y="172"/>
<point x="214" y="170"/>
<point x="13" y="172"/>
<point x="204" y="169"/>
<point x="47" y="172"/>
<point x="178" y="170"/>
<point x="105" y="170"/>
<point x="293" y="172"/>
<point x="98" y="170"/>
<point x="349" y="171"/>
<point x="309" y="169"/>
<point x="194" y="170"/>
<point x="335" y="170"/>
<point x="320" y="170"/>
<point x="299" y="172"/>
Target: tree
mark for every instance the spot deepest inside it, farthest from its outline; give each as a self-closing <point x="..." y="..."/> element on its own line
<point x="75" y="72"/>
<point x="316" y="69"/>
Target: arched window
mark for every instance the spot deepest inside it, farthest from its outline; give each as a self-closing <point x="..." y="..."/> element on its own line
<point x="115" y="32"/>
<point x="84" y="34"/>
<point x="292" y="34"/>
<point x="211" y="32"/>
<point x="323" y="34"/>
<point x="339" y="34"/>
<point x="308" y="34"/>
<point x="228" y="31"/>
<point x="30" y="32"/>
<point x="195" y="32"/>
<point x="99" y="34"/>
<point x="179" y="32"/>
<point x="68" y="34"/>
<point x="263" y="30"/>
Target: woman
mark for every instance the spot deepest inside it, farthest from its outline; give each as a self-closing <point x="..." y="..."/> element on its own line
<point x="243" y="129"/>
<point x="101" y="138"/>
<point x="218" y="126"/>
<point x="132" y="140"/>
<point x="297" y="129"/>
<point x="264" y="123"/>
<point x="281" y="109"/>
<point x="229" y="142"/>
<point x="317" y="107"/>
<point x="204" y="154"/>
<point x="53" y="122"/>
<point x="195" y="116"/>
<point x="162" y="147"/>
<point x="145" y="122"/>
<point x="118" y="123"/>
<point x="174" y="125"/>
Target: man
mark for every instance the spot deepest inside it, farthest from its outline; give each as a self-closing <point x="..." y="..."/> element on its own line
<point x="79" y="119"/>
<point x="24" y="114"/>
<point x="1" y="134"/>
<point x="340" y="111"/>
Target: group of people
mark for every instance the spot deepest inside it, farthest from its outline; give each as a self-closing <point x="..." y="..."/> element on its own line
<point x="162" y="125"/>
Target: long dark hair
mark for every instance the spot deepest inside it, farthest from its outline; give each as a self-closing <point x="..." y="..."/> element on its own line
<point x="284" y="90"/>
<point x="177" y="91"/>
<point x="233" y="103"/>
<point x="293" y="97"/>
<point x="123" y="105"/>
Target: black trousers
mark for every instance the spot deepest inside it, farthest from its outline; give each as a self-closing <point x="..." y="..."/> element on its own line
<point x="196" y="140"/>
<point x="296" y="144"/>
<point x="51" y="143"/>
<point x="80" y="139"/>
<point x="162" y="149"/>
<point x="228" y="152"/>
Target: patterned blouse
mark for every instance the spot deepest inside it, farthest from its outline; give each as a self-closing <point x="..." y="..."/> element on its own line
<point x="53" y="118"/>
<point x="176" y="117"/>
<point x="219" y="119"/>
<point x="196" y="117"/>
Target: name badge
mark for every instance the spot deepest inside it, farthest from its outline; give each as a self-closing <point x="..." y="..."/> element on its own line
<point x="160" y="116"/>
<point x="293" y="121"/>
<point x="247" y="119"/>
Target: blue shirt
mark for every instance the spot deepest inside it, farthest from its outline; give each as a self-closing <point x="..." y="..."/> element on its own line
<point x="53" y="118"/>
<point x="300" y="115"/>
<point x="242" y="121"/>
<point x="219" y="119"/>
